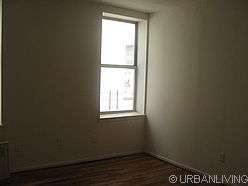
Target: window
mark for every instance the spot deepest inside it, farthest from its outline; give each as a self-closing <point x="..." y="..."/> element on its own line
<point x="118" y="66"/>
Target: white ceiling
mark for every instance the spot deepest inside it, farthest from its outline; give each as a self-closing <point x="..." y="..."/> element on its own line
<point x="147" y="6"/>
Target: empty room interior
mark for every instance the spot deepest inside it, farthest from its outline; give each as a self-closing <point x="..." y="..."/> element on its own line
<point x="124" y="92"/>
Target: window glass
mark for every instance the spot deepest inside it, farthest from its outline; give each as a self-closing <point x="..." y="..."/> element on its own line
<point x="117" y="89"/>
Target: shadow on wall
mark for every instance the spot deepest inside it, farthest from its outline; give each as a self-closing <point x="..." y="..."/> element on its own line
<point x="1" y="133"/>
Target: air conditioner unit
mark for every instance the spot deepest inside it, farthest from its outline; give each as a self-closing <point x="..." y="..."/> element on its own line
<point x="4" y="160"/>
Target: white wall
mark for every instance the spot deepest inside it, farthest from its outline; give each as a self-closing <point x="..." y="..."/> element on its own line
<point x="197" y="77"/>
<point x="51" y="64"/>
<point x="197" y="85"/>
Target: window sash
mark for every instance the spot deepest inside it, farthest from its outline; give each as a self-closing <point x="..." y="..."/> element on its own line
<point x="134" y="66"/>
<point x="134" y="91"/>
<point x="135" y="42"/>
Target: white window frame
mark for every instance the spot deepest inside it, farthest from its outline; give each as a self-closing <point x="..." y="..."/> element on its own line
<point x="134" y="66"/>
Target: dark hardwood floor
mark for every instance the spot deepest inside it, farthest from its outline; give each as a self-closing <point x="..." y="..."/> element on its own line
<point x="137" y="169"/>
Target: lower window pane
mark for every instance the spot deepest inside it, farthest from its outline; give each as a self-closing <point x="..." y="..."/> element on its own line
<point x="117" y="89"/>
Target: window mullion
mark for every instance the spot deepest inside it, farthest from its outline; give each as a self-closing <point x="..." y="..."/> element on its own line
<point x="118" y="66"/>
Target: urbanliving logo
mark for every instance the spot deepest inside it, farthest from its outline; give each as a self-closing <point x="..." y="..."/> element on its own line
<point x="232" y="179"/>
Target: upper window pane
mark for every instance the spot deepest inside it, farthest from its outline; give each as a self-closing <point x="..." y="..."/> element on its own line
<point x="118" y="42"/>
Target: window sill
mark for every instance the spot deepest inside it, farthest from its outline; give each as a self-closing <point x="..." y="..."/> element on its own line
<point x="122" y="115"/>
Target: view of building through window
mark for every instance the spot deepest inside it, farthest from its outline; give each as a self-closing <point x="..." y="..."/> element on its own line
<point x="117" y="66"/>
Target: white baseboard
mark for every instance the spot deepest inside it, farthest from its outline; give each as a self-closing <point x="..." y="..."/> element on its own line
<point x="181" y="165"/>
<point x="70" y="162"/>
